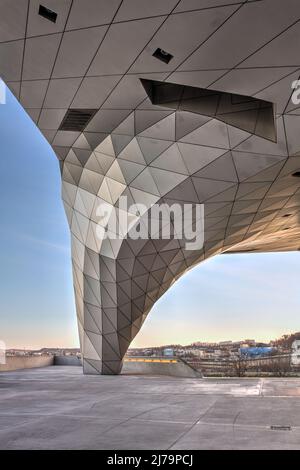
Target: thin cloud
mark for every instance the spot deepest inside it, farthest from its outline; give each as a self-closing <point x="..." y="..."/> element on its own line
<point x="37" y="241"/>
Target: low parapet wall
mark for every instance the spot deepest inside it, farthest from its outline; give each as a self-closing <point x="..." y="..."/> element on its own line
<point x="26" y="362"/>
<point x="67" y="361"/>
<point x="132" y="365"/>
<point x="172" y="366"/>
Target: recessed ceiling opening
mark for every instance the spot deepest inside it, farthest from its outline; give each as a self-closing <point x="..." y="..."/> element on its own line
<point x="47" y="13"/>
<point x="244" y="112"/>
<point x="77" y="119"/>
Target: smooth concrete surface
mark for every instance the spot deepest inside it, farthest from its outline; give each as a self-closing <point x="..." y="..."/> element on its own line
<point x="25" y="362"/>
<point x="60" y="408"/>
<point x="172" y="366"/>
<point x="67" y="361"/>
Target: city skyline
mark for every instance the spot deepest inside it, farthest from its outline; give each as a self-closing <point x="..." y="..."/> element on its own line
<point x="198" y="343"/>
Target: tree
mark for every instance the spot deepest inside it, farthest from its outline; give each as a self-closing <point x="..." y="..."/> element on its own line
<point x="280" y="366"/>
<point x="286" y="341"/>
<point x="240" y="366"/>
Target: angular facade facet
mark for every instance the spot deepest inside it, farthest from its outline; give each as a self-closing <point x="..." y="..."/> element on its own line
<point x="211" y="118"/>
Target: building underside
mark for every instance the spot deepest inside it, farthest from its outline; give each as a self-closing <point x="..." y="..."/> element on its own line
<point x="160" y="101"/>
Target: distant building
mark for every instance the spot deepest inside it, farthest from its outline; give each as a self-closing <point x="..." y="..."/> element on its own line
<point x="295" y="354"/>
<point x="168" y="352"/>
<point x="148" y="352"/>
<point x="251" y="342"/>
<point x="217" y="352"/>
<point x="256" y="351"/>
<point x="2" y="352"/>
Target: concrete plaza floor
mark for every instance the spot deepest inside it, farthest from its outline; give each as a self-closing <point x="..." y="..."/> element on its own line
<point x="59" y="408"/>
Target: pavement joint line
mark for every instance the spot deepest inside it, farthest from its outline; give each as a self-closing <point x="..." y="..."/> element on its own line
<point x="188" y="394"/>
<point x="194" y="424"/>
<point x="261" y="388"/>
<point x="184" y="423"/>
<point x="97" y="418"/>
<point x="250" y="426"/>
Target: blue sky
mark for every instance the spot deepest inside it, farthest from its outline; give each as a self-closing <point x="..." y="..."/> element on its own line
<point x="227" y="297"/>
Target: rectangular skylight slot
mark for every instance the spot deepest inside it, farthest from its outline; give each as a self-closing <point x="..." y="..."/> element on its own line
<point x="162" y="55"/>
<point x="47" y="13"/>
<point x="77" y="119"/>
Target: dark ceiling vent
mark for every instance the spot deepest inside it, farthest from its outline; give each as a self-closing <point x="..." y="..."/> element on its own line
<point x="77" y="119"/>
<point x="162" y="55"/>
<point x="47" y="13"/>
<point x="244" y="112"/>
